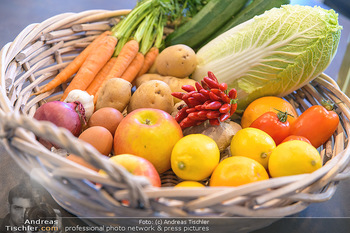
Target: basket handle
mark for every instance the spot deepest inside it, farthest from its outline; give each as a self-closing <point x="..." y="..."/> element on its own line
<point x="116" y="176"/>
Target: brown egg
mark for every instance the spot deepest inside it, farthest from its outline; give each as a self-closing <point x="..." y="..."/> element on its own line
<point x="106" y="117"/>
<point x="81" y="161"/>
<point x="99" y="137"/>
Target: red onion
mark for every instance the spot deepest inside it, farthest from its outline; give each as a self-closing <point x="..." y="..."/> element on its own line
<point x="68" y="115"/>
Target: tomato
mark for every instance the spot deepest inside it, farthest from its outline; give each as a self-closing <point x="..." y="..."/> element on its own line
<point x="266" y="104"/>
<point x="296" y="137"/>
<point x="274" y="124"/>
<point x="317" y="124"/>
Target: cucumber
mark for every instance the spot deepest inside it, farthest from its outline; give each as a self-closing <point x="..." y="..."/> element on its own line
<point x="256" y="7"/>
<point x="206" y="22"/>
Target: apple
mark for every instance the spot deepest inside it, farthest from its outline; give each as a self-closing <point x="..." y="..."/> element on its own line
<point x="138" y="166"/>
<point x="148" y="133"/>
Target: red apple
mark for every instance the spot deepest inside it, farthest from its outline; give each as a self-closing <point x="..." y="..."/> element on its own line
<point x="139" y="167"/>
<point x="148" y="133"/>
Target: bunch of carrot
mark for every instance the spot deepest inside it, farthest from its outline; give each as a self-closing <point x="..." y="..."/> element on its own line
<point x="96" y="64"/>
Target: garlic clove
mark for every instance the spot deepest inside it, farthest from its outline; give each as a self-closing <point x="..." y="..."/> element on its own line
<point x="84" y="98"/>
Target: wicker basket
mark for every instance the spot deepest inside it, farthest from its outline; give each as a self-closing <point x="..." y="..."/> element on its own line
<point x="42" y="50"/>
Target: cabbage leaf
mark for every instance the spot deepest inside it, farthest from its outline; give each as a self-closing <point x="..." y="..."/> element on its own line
<point x="274" y="53"/>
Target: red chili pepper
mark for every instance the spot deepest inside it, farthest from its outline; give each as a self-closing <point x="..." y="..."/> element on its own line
<point x="213" y="105"/>
<point x="211" y="83"/>
<point x="181" y="114"/>
<point x="193" y="101"/>
<point x="203" y="113"/>
<point x="187" y="122"/>
<point x="233" y="108"/>
<point x="204" y="105"/>
<point x="186" y="101"/>
<point x="188" y="95"/>
<point x="178" y="95"/>
<point x="198" y="107"/>
<point x="213" y="114"/>
<point x="212" y="76"/>
<point x="200" y="97"/>
<point x="198" y="86"/>
<point x="196" y="116"/>
<point x="224" y="97"/>
<point x="214" y="121"/>
<point x="185" y="98"/>
<point x="207" y="99"/>
<point x="188" y="88"/>
<point x="205" y="93"/>
<point x="204" y="85"/>
<point x="223" y="86"/>
<point x="213" y="97"/>
<point x="232" y="94"/>
<point x="189" y="110"/>
<point x="224" y="116"/>
<point x="225" y="108"/>
<point x="216" y="91"/>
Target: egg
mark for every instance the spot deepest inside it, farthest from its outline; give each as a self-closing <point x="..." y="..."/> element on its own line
<point x="99" y="137"/>
<point x="81" y="161"/>
<point x="106" y="117"/>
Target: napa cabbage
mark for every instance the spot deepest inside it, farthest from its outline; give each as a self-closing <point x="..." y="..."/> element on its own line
<point x="274" y="53"/>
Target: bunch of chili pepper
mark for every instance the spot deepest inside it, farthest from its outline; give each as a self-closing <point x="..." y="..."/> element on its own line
<point x="208" y="100"/>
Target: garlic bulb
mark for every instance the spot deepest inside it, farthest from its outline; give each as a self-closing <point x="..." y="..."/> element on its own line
<point x="84" y="98"/>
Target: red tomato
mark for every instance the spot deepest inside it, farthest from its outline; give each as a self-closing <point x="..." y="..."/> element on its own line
<point x="317" y="124"/>
<point x="274" y="124"/>
<point x="295" y="137"/>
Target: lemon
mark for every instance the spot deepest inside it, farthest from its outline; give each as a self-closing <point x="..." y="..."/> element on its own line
<point x="237" y="170"/>
<point x="189" y="184"/>
<point x="253" y="143"/>
<point x="293" y="158"/>
<point x="194" y="157"/>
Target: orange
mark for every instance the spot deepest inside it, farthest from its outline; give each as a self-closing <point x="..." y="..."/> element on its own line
<point x="189" y="184"/>
<point x="238" y="170"/>
<point x="266" y="104"/>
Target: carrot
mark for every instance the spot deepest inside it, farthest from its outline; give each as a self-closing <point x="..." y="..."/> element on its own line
<point x="92" y="65"/>
<point x="134" y="68"/>
<point x="72" y="67"/>
<point x="150" y="58"/>
<point x="125" y="57"/>
<point x="98" y="80"/>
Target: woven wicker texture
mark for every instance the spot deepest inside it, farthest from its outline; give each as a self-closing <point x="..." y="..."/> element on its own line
<point x="41" y="50"/>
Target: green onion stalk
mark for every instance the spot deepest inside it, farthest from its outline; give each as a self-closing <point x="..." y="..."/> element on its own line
<point x="146" y="22"/>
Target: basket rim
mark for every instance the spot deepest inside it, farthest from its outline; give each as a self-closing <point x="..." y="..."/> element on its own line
<point x="19" y="129"/>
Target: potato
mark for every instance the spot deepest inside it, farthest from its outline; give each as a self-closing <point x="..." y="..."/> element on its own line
<point x="152" y="94"/>
<point x="174" y="83"/>
<point x="178" y="60"/>
<point x="115" y="93"/>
